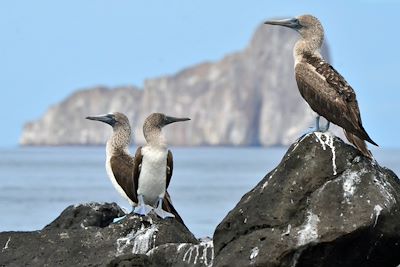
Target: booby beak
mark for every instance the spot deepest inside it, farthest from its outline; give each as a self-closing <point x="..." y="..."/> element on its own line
<point x="108" y="118"/>
<point x="290" y="23"/>
<point x="169" y="120"/>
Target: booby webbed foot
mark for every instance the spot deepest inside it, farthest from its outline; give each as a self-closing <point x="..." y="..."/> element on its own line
<point x="317" y="128"/>
<point x="162" y="213"/>
<point x="118" y="219"/>
<point x="142" y="208"/>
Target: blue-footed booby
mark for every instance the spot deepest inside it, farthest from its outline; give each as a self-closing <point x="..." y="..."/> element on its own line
<point x="120" y="164"/>
<point x="153" y="167"/>
<point x="324" y="89"/>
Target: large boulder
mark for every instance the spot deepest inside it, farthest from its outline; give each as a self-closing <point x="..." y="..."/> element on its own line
<point x="84" y="235"/>
<point x="323" y="205"/>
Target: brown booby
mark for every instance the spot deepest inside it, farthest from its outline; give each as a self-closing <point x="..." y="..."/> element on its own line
<point x="120" y="164"/>
<point x="324" y="89"/>
<point x="153" y="167"/>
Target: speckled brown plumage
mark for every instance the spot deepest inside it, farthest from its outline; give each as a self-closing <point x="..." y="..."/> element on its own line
<point x="324" y="89"/>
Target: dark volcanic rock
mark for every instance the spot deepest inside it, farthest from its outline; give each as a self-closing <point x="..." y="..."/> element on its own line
<point x="131" y="260"/>
<point x="84" y="215"/>
<point x="324" y="205"/>
<point x="83" y="235"/>
<point x="184" y="254"/>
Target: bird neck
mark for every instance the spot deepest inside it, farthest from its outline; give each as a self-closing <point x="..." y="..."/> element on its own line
<point x="154" y="137"/>
<point x="120" y="139"/>
<point x="310" y="43"/>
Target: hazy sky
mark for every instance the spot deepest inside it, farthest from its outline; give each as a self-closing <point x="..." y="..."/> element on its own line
<point x="48" y="49"/>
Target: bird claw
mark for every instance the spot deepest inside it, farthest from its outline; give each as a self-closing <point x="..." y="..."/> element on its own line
<point x="118" y="219"/>
<point x="162" y="213"/>
<point x="143" y="210"/>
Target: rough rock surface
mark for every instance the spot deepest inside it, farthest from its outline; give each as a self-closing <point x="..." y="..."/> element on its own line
<point x="247" y="98"/>
<point x="83" y="235"/>
<point x="323" y="205"/>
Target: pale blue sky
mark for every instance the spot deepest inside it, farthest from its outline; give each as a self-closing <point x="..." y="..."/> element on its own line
<point x="48" y="49"/>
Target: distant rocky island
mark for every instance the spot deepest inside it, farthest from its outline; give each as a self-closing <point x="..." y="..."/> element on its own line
<point x="247" y="98"/>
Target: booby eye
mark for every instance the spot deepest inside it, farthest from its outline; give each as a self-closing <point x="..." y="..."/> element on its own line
<point x="297" y="23"/>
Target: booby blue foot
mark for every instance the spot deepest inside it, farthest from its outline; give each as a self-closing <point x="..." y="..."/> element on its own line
<point x="317" y="128"/>
<point x="162" y="213"/>
<point x="119" y="219"/>
<point x="326" y="127"/>
<point x="142" y="208"/>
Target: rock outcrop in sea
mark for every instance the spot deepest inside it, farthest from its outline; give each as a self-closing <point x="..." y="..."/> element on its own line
<point x="324" y="205"/>
<point x="248" y="98"/>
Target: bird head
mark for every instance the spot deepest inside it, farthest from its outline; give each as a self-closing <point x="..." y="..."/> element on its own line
<point x="304" y="24"/>
<point x="159" y="120"/>
<point x="114" y="119"/>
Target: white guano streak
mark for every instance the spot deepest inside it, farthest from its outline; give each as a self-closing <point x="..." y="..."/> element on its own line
<point x="328" y="142"/>
<point x="6" y="245"/>
<point x="266" y="182"/>
<point x="377" y="210"/>
<point x="141" y="240"/>
<point x="351" y="179"/>
<point x="253" y="254"/>
<point x="199" y="253"/>
<point x="309" y="231"/>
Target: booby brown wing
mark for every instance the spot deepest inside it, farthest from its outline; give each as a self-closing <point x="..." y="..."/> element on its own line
<point x="328" y="94"/>
<point x="122" y="168"/>
<point x="170" y="167"/>
<point x="359" y="143"/>
<point x="167" y="203"/>
<point x="136" y="167"/>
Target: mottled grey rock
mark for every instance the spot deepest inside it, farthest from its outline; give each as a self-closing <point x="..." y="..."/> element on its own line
<point x="76" y="241"/>
<point x="247" y="98"/>
<point x="132" y="260"/>
<point x="323" y="205"/>
<point x="183" y="254"/>
<point x="87" y="214"/>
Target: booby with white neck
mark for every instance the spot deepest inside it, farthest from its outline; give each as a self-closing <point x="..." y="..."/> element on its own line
<point x="121" y="166"/>
<point x="153" y="167"/>
<point x="119" y="162"/>
<point x="323" y="88"/>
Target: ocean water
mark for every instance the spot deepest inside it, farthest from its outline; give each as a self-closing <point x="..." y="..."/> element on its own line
<point x="36" y="184"/>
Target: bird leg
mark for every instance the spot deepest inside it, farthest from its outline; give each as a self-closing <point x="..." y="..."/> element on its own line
<point x="311" y="130"/>
<point x="160" y="212"/>
<point x="326" y="128"/>
<point x="142" y="208"/>
<point x="317" y="129"/>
